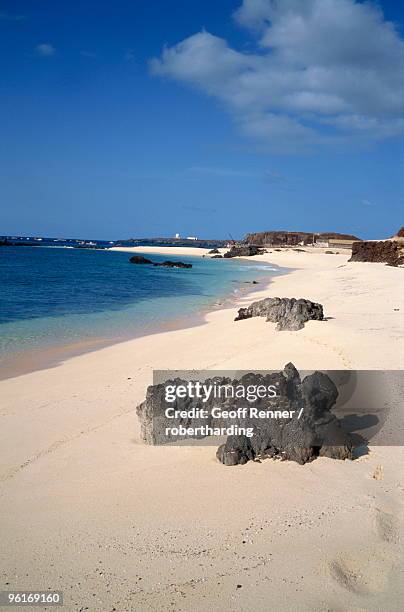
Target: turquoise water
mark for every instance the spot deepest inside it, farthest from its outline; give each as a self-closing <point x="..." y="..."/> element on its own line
<point x="57" y="296"/>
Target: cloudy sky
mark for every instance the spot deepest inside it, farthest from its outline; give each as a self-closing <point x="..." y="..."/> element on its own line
<point x="153" y="117"/>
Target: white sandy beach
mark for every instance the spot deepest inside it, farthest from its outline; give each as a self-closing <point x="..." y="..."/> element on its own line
<point x="117" y="525"/>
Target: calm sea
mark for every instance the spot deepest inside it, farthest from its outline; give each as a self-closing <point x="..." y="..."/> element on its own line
<point x="56" y="296"/>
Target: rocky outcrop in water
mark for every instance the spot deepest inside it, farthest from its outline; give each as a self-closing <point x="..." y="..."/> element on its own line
<point x="289" y="313"/>
<point x="173" y="264"/>
<point x="139" y="259"/>
<point x="390" y="252"/>
<point x="248" y="250"/>
<point x="316" y="432"/>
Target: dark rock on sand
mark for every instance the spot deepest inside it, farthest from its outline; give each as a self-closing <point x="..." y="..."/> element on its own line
<point x="317" y="431"/>
<point x="217" y="257"/>
<point x="138" y="259"/>
<point x="236" y="451"/>
<point x="337" y="452"/>
<point x="288" y="313"/>
<point x="173" y="264"/>
<point x="244" y="251"/>
<point x="214" y="252"/>
<point x="386" y="251"/>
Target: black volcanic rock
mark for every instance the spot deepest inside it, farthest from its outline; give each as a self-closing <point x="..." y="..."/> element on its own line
<point x="138" y="259"/>
<point x="248" y="250"/>
<point x="214" y="252"/>
<point x="217" y="257"/>
<point x="173" y="264"/>
<point x="236" y="451"/>
<point x="315" y="432"/>
<point x="288" y="313"/>
<point x="384" y="251"/>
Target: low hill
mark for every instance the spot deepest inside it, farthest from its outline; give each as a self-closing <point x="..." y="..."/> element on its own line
<point x="286" y="237"/>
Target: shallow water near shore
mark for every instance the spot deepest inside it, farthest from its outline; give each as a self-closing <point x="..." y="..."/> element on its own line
<point x="55" y="297"/>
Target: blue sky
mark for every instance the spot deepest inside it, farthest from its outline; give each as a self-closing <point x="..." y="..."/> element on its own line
<point x="153" y="117"/>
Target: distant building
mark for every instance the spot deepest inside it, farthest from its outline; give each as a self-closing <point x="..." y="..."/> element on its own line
<point x="192" y="238"/>
<point x="177" y="236"/>
<point x="338" y="243"/>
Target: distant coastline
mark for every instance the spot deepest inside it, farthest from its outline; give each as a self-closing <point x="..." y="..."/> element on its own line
<point x="86" y="243"/>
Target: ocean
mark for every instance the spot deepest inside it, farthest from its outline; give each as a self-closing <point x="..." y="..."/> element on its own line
<point x="60" y="296"/>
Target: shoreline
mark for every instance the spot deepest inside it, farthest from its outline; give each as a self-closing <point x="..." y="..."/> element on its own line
<point x="163" y="528"/>
<point x="46" y="357"/>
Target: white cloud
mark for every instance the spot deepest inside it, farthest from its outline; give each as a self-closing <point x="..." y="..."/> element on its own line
<point x="325" y="72"/>
<point x="45" y="50"/>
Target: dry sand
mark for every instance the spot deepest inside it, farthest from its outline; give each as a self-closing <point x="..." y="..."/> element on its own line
<point x="88" y="509"/>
